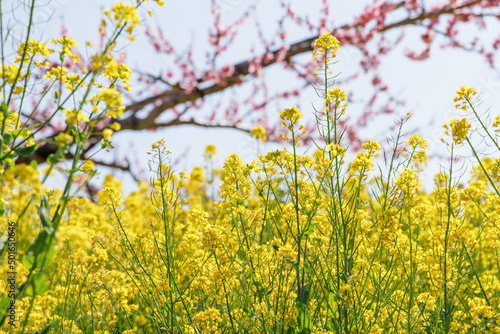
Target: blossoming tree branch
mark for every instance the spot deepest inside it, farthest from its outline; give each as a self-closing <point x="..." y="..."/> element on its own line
<point x="178" y="95"/>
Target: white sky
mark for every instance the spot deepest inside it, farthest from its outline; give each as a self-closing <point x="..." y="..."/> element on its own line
<point x="428" y="86"/>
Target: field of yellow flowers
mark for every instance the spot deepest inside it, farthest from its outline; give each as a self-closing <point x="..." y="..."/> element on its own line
<point x="290" y="243"/>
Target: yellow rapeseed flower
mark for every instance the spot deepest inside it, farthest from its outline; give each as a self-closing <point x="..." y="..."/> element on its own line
<point x="459" y="130"/>
<point x="112" y="199"/>
<point x="66" y="45"/>
<point x="464" y="95"/>
<point x="63" y="138"/>
<point x="88" y="165"/>
<point x="107" y="133"/>
<point x="197" y="175"/>
<point x="33" y="48"/>
<point x="415" y="141"/>
<point x="159" y="145"/>
<point x="407" y="183"/>
<point x="372" y="147"/>
<point x="115" y="126"/>
<point x="326" y="42"/>
<point x="334" y="98"/>
<point x="318" y="154"/>
<point x="18" y="90"/>
<point x="124" y="14"/>
<point x="10" y="72"/>
<point x="113" y="100"/>
<point x="336" y="150"/>
<point x="496" y="122"/>
<point x="259" y="132"/>
<point x="363" y="162"/>
<point x="210" y="151"/>
<point x="291" y="114"/>
<point x="73" y="117"/>
<point x="58" y="73"/>
<point x="115" y="71"/>
<point x="74" y="81"/>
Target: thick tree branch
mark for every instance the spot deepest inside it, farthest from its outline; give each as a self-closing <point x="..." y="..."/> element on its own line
<point x="121" y="166"/>
<point x="178" y="121"/>
<point x="172" y="98"/>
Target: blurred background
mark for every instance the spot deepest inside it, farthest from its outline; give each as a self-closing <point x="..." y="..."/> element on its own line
<point x="390" y="60"/>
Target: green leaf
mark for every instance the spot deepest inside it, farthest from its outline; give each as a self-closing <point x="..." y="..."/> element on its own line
<point x="33" y="126"/>
<point x="4" y="108"/>
<point x="44" y="212"/>
<point x="43" y="248"/>
<point x="51" y="159"/>
<point x="332" y="306"/>
<point x="7" y="137"/>
<point x="258" y="287"/>
<point x="4" y="303"/>
<point x="306" y="290"/>
<point x="20" y="132"/>
<point x="37" y="285"/>
<point x="34" y="164"/>
<point x="310" y="229"/>
<point x="83" y="137"/>
<point x="26" y="151"/>
<point x="50" y="326"/>
<point x="302" y="317"/>
<point x="56" y="157"/>
<point x="9" y="161"/>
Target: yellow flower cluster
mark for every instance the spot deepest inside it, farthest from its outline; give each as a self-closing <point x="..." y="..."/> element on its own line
<point x="31" y="49"/>
<point x="464" y="95"/>
<point x="363" y="162"/>
<point x="407" y="184"/>
<point x="159" y="146"/>
<point x="67" y="44"/>
<point x="124" y="14"/>
<point x="326" y="42"/>
<point x="63" y="139"/>
<point x="459" y="130"/>
<point x="10" y="121"/>
<point x="58" y="73"/>
<point x="372" y="147"/>
<point x="417" y="141"/>
<point x="334" y="98"/>
<point x="291" y="115"/>
<point x="259" y="132"/>
<point x="107" y="133"/>
<point x="75" y="116"/>
<point x="88" y="165"/>
<point x="210" y="151"/>
<point x="10" y="72"/>
<point x="496" y="123"/>
<point x="243" y="246"/>
<point x="420" y="156"/>
<point x="336" y="150"/>
<point x="113" y="100"/>
<point x="115" y="71"/>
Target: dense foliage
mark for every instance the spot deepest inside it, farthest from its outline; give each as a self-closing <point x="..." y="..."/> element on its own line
<point x="290" y="243"/>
